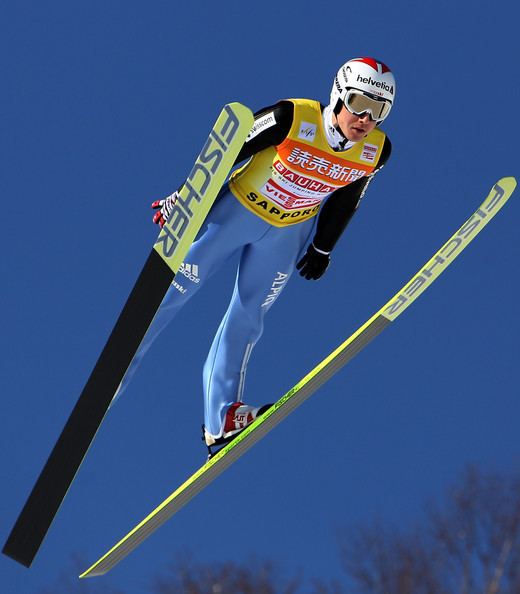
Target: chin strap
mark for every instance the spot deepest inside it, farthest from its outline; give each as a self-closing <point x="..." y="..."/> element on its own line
<point x="335" y="137"/>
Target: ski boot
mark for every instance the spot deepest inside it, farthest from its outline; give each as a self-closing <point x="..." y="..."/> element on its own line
<point x="237" y="418"/>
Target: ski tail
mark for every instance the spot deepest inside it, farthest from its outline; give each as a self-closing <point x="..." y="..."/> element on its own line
<point x="306" y="387"/>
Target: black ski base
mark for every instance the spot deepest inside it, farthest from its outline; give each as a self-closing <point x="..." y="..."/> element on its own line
<point x="65" y="459"/>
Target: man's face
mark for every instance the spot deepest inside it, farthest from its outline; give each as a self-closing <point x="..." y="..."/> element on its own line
<point x="354" y="127"/>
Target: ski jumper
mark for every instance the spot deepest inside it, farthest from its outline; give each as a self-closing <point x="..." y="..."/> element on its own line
<point x="266" y="215"/>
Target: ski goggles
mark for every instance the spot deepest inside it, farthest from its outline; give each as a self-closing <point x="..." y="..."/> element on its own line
<point x="359" y="103"/>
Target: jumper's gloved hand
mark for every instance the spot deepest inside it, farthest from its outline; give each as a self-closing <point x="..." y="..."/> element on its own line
<point x="314" y="263"/>
<point x="164" y="208"/>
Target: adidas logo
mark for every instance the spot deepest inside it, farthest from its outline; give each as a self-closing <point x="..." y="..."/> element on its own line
<point x="190" y="271"/>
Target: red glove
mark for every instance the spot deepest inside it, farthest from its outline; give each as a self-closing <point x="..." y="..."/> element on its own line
<point x="164" y="208"/>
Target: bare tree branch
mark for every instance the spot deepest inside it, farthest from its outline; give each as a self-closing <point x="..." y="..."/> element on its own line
<point x="469" y="544"/>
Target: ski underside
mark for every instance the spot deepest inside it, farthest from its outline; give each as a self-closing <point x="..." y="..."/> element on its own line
<point x="196" y="197"/>
<point x="497" y="197"/>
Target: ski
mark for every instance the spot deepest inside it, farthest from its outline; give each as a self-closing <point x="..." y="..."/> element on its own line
<point x="196" y="197"/>
<point x="497" y="197"/>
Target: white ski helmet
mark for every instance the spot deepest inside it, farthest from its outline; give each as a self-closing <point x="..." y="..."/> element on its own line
<point x="367" y="76"/>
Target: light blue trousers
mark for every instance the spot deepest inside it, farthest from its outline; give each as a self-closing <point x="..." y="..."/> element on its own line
<point x="267" y="258"/>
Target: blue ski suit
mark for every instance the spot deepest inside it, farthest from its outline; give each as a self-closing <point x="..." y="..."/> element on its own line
<point x="252" y="225"/>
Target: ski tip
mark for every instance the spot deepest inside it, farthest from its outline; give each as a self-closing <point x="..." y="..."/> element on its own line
<point x="508" y="182"/>
<point x="240" y="108"/>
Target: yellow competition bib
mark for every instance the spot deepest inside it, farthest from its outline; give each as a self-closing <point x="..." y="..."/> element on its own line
<point x="286" y="184"/>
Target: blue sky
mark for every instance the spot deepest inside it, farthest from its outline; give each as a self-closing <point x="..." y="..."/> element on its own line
<point x="104" y="108"/>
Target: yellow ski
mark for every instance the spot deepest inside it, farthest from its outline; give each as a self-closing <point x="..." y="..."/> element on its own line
<point x="497" y="197"/>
